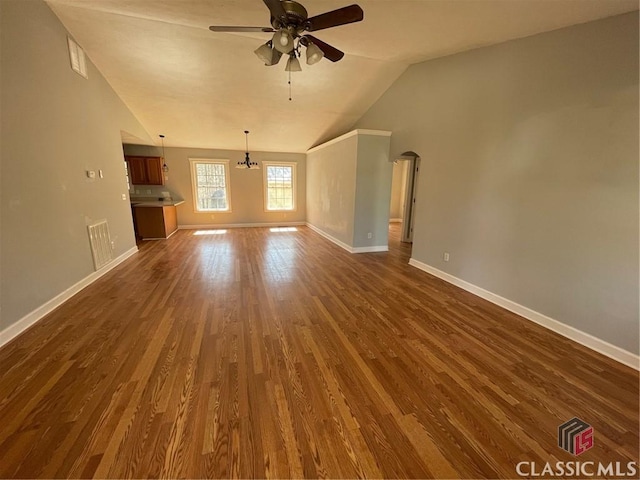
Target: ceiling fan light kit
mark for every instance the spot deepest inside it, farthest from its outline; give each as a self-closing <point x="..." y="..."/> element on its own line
<point x="275" y="57"/>
<point x="289" y="22"/>
<point x="314" y="54"/>
<point x="283" y="41"/>
<point x="270" y="56"/>
<point x="293" y="64"/>
<point x="265" y="53"/>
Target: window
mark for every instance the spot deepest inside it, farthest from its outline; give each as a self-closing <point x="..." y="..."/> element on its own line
<point x="210" y="182"/>
<point x="279" y="186"/>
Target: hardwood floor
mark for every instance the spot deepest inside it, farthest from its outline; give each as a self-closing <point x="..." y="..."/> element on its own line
<point x="253" y="353"/>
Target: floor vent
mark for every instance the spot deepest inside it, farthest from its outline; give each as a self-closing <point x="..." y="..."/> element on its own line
<point x="100" y="243"/>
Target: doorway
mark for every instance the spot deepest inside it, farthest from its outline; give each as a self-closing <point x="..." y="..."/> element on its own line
<point x="403" y="193"/>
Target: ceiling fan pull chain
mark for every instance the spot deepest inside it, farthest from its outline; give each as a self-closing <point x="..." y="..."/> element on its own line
<point x="289" y="85"/>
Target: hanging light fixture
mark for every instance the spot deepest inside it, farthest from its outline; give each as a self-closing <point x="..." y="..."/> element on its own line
<point x="284" y="42"/>
<point x="290" y="23"/>
<point x="165" y="167"/>
<point x="247" y="163"/>
<point x="287" y="40"/>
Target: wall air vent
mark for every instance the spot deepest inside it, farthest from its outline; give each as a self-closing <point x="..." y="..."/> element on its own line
<point x="100" y="241"/>
<point x="76" y="55"/>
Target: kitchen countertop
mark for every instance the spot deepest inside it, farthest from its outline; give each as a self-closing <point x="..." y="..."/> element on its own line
<point x="156" y="203"/>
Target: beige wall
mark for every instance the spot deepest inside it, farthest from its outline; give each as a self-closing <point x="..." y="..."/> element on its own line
<point x="331" y="192"/>
<point x="349" y="188"/>
<point x="55" y="125"/>
<point x="529" y="174"/>
<point x="247" y="193"/>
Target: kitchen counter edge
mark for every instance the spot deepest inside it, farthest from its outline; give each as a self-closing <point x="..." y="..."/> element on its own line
<point x="158" y="203"/>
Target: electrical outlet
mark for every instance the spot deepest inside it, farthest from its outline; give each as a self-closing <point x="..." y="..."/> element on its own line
<point x="124" y="196"/>
<point x="369" y="235"/>
<point x="446" y="256"/>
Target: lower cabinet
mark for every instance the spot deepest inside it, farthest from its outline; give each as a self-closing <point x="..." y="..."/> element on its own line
<point x="155" y="222"/>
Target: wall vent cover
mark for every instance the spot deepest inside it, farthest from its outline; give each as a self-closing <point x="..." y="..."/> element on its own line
<point x="76" y="55"/>
<point x="100" y="242"/>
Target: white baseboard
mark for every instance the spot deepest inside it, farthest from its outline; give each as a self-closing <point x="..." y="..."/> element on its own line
<point x="616" y="353"/>
<point x="375" y="248"/>
<point x="214" y="226"/>
<point x="395" y="220"/>
<point x="349" y="248"/>
<point x="28" y="320"/>
<point x="330" y="238"/>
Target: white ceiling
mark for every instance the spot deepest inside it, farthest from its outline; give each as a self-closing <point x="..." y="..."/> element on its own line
<point x="202" y="89"/>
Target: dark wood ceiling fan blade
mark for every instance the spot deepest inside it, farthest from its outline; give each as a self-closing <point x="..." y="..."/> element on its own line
<point x="221" y="28"/>
<point x="276" y="8"/>
<point x="330" y="53"/>
<point x="341" y="16"/>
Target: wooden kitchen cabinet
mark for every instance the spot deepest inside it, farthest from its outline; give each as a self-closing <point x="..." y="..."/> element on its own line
<point x="145" y="170"/>
<point x="155" y="222"/>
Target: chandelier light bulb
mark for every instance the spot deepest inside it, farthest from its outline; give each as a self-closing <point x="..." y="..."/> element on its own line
<point x="283" y="41"/>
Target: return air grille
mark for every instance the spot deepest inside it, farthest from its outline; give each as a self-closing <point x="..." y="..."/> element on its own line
<point x="100" y="243"/>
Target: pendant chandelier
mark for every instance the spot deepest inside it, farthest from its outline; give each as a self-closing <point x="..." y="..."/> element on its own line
<point x="247" y="163"/>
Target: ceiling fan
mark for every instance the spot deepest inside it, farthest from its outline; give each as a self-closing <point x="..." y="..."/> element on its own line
<point x="289" y="21"/>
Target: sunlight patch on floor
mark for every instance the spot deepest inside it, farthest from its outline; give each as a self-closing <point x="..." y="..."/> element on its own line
<point x="209" y="232"/>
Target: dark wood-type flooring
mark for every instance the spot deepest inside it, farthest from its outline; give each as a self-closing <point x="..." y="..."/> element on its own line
<point x="254" y="353"/>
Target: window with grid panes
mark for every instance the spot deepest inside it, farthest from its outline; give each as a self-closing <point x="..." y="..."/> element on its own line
<point x="279" y="186"/>
<point x="210" y="183"/>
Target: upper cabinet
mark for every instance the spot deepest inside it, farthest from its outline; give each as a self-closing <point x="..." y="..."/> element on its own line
<point x="145" y="170"/>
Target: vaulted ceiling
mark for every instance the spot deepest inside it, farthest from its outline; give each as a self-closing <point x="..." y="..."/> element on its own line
<point x="202" y="89"/>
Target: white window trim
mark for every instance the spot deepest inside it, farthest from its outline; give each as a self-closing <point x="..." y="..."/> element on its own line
<point x="295" y="184"/>
<point x="194" y="188"/>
